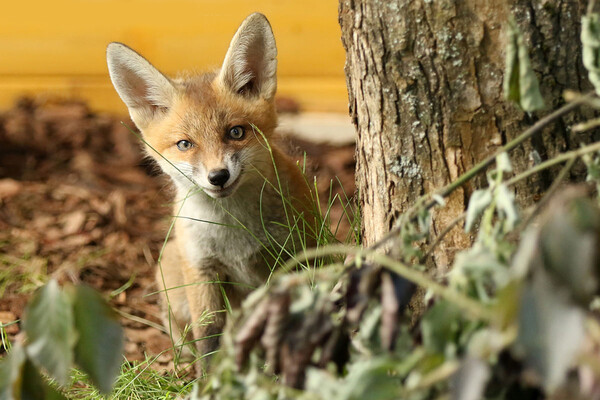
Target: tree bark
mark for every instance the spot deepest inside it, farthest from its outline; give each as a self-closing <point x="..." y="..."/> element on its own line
<point x="425" y="94"/>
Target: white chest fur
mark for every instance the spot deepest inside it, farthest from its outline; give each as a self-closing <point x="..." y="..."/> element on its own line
<point x="230" y="236"/>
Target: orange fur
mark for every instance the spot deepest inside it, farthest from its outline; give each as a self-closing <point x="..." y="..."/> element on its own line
<point x="228" y="234"/>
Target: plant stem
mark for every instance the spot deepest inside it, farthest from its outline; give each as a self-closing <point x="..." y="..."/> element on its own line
<point x="469" y="305"/>
<point x="476" y="309"/>
<point x="537" y="127"/>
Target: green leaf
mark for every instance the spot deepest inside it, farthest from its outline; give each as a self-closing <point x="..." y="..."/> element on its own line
<point x="503" y="162"/>
<point x="478" y="202"/>
<point x="11" y="373"/>
<point x="440" y="327"/>
<point x="21" y="380"/>
<point x="520" y="82"/>
<point x="551" y="330"/>
<point x="478" y="268"/>
<point x="33" y="386"/>
<point x="505" y="204"/>
<point x="50" y="332"/>
<point x="100" y="346"/>
<point x="590" y="40"/>
<point x="368" y="379"/>
<point x="569" y="243"/>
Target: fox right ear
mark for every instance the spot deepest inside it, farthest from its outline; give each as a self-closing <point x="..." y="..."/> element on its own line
<point x="143" y="88"/>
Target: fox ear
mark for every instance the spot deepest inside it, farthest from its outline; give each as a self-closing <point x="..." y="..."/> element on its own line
<point x="143" y="88"/>
<point x="250" y="66"/>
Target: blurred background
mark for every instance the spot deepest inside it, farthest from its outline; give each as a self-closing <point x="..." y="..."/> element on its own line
<point x="58" y="47"/>
<point x="79" y="201"/>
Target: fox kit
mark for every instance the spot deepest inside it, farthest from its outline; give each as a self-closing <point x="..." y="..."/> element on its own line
<point x="210" y="133"/>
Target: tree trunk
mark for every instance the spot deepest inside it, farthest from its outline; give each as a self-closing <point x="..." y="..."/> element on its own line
<point x="425" y="94"/>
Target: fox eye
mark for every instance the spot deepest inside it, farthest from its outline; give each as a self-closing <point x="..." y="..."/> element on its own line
<point x="237" y="132"/>
<point x="184" y="145"/>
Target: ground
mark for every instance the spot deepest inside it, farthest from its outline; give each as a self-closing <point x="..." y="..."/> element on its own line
<point x="80" y="202"/>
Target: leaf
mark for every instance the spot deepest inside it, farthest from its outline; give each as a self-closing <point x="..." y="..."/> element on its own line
<point x="250" y="333"/>
<point x="503" y="162"/>
<point x="469" y="381"/>
<point x="368" y="379"/>
<point x="505" y="203"/>
<point x="33" y="387"/>
<point x="478" y="202"/>
<point x="440" y="327"/>
<point x="568" y="246"/>
<point x="478" y="267"/>
<point x="100" y="346"/>
<point x="551" y="330"/>
<point x="11" y="373"/>
<point x="50" y="331"/>
<point x="590" y="40"/>
<point x="520" y="82"/>
<point x="396" y="293"/>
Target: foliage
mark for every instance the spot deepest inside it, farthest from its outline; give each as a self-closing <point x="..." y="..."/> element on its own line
<point x="62" y="326"/>
<point x="590" y="39"/>
<point x="520" y="83"/>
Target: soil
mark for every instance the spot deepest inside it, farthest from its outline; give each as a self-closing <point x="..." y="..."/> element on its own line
<point x="79" y="202"/>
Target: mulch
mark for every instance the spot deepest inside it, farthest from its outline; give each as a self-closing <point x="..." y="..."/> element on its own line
<point x="79" y="202"/>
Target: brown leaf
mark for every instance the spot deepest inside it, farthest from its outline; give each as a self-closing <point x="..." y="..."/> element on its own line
<point x="250" y="333"/>
<point x="336" y="349"/>
<point x="73" y="222"/>
<point x="361" y="287"/>
<point x="278" y="310"/>
<point x="9" y="188"/>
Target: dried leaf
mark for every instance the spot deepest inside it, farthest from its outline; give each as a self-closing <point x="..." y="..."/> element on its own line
<point x="301" y="344"/>
<point x="250" y="333"/>
<point x="396" y="292"/>
<point x="336" y="349"/>
<point x="277" y="317"/>
<point x="361" y="286"/>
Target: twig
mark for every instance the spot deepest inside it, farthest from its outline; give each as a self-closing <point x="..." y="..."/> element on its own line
<point x="443" y="233"/>
<point x="569" y="156"/>
<point x="548" y="195"/>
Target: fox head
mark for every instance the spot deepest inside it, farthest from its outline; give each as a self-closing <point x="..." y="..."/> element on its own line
<point x="203" y="126"/>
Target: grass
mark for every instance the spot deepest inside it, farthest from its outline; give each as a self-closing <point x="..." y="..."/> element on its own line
<point x="25" y="273"/>
<point x="141" y="380"/>
<point x="136" y="381"/>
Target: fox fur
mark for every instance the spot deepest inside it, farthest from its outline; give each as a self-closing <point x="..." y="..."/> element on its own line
<point x="231" y="219"/>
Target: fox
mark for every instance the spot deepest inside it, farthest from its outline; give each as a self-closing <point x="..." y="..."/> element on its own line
<point x="213" y="134"/>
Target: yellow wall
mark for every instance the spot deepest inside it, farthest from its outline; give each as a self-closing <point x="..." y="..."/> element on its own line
<point x="57" y="46"/>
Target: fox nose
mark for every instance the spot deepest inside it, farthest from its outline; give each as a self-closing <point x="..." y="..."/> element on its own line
<point x="218" y="177"/>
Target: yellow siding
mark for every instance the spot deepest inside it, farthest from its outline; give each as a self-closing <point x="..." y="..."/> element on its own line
<point x="57" y="47"/>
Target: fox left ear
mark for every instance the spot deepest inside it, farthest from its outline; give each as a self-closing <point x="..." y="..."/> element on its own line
<point x="250" y="66"/>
